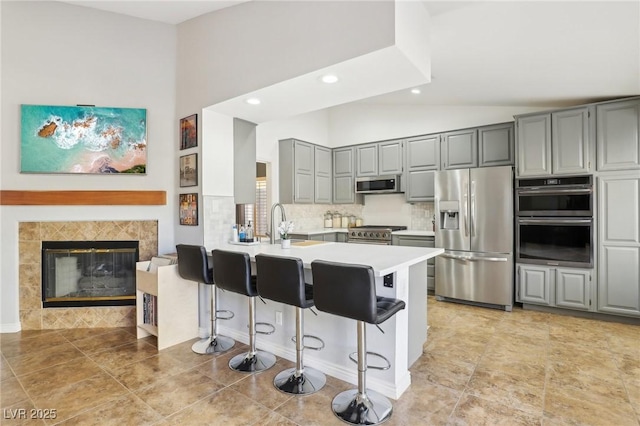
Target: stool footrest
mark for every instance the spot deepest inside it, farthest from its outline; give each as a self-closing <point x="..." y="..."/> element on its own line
<point x="228" y="314"/>
<point x="353" y="357"/>
<point x="270" y="328"/>
<point x="310" y="336"/>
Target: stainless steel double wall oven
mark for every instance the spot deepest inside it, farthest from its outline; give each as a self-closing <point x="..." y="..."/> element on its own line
<point x="554" y="221"/>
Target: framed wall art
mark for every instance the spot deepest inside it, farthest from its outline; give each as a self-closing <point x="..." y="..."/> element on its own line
<point x="189" y="132"/>
<point x="83" y="139"/>
<point x="189" y="170"/>
<point x="188" y="209"/>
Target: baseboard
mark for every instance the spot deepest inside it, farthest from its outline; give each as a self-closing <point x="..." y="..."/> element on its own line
<point x="10" y="328"/>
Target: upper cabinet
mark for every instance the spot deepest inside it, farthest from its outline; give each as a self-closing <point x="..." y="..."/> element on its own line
<point x="459" y="149"/>
<point x="496" y="145"/>
<point x="554" y="143"/>
<point x="618" y="133"/>
<point x="323" y="175"/>
<point x="377" y="159"/>
<point x="344" y="175"/>
<point x="422" y="160"/>
<point x="297" y="171"/>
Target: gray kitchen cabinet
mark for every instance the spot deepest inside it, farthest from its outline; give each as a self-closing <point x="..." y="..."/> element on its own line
<point x="297" y="171"/>
<point x="323" y="175"/>
<point x="341" y="237"/>
<point x="534" y="285"/>
<point x="570" y="141"/>
<point x="419" y="185"/>
<point x="496" y="145"/>
<point x="367" y="160"/>
<point x="390" y="157"/>
<point x="329" y="236"/>
<point x="459" y="149"/>
<point x="553" y="286"/>
<point x="534" y="145"/>
<point x="344" y="175"/>
<point x="423" y="152"/>
<point x="619" y="243"/>
<point x="420" y="241"/>
<point x="422" y="159"/>
<point x="618" y="135"/>
<point x="554" y="143"/>
<point x="573" y="288"/>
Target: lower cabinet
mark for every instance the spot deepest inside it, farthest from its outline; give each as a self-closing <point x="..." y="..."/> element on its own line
<point x="560" y="287"/>
<point x="330" y="236"/>
<point x="419" y="241"/>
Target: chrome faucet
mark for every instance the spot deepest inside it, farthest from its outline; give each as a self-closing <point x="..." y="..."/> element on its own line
<point x="272" y="236"/>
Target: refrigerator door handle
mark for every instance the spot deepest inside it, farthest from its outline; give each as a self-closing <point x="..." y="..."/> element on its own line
<point x="473" y="208"/>
<point x="466" y="214"/>
<point x="474" y="258"/>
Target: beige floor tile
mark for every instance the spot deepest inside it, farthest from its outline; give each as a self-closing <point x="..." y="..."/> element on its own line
<point x="424" y="404"/>
<point x="12" y="393"/>
<point x="127" y="410"/>
<point x="443" y="370"/>
<point x="147" y="372"/>
<point x="259" y="387"/>
<point x="574" y="408"/>
<point x="591" y="388"/>
<point x="21" y="335"/>
<point x="311" y="410"/>
<point x="508" y="389"/>
<point x="274" y="419"/>
<point x="218" y="369"/>
<point x="21" y="414"/>
<point x="174" y="393"/>
<point x="32" y="345"/>
<point x="74" y="399"/>
<point x="226" y="407"/>
<point x="73" y="334"/>
<point x="121" y="356"/>
<point x="30" y="362"/>
<point x="183" y="353"/>
<point x="42" y="381"/>
<point x="104" y="341"/>
<point x="5" y="370"/>
<point x="472" y="410"/>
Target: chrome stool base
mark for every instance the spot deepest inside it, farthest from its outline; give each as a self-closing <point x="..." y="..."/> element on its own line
<point x="250" y="363"/>
<point x="213" y="345"/>
<point x="308" y="382"/>
<point x="355" y="408"/>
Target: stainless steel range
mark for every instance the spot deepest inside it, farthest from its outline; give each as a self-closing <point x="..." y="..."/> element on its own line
<point x="372" y="234"/>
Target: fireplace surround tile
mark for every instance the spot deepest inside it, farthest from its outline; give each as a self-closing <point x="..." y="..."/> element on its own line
<point x="30" y="237"/>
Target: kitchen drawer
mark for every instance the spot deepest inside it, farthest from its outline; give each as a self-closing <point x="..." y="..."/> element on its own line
<point x="431" y="283"/>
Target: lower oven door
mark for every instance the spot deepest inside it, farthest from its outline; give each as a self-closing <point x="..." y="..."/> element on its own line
<point x="555" y="241"/>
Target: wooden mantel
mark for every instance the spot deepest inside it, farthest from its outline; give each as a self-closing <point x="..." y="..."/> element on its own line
<point x="82" y="198"/>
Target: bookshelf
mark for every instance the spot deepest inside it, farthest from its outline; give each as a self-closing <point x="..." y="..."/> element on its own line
<point x="175" y="306"/>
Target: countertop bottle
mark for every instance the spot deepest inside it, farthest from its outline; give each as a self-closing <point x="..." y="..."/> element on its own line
<point x="249" y="233"/>
<point x="344" y="223"/>
<point x="234" y="233"/>
<point x="337" y="220"/>
<point x="328" y="220"/>
<point x="242" y="235"/>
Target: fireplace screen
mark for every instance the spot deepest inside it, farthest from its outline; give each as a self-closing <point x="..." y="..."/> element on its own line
<point x="89" y="273"/>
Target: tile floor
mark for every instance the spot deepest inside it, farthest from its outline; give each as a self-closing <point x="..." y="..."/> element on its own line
<point x="480" y="367"/>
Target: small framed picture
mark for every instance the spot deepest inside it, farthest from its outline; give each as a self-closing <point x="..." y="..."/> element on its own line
<point x="189" y="170"/>
<point x="189" y="132"/>
<point x="188" y="209"/>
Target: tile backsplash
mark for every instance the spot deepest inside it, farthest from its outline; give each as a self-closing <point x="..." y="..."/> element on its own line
<point x="379" y="209"/>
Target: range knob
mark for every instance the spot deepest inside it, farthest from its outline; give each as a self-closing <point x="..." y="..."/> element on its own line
<point x="377" y="235"/>
<point x="359" y="234"/>
<point x="385" y="235"/>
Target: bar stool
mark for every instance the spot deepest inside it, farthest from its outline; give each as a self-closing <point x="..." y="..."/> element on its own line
<point x="232" y="272"/>
<point x="281" y="279"/>
<point x="349" y="291"/>
<point x="193" y="265"/>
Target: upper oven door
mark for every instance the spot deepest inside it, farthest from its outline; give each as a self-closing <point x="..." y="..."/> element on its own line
<point x="554" y="202"/>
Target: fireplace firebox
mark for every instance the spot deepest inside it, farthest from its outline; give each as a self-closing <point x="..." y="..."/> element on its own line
<point x="89" y="273"/>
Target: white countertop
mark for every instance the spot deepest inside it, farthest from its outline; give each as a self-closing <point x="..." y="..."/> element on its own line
<point x="383" y="259"/>
<point x="319" y="231"/>
<point x="415" y="233"/>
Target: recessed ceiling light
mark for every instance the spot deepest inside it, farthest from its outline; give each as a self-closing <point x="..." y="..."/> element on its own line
<point x="253" y="101"/>
<point x="329" y="78"/>
<point x="415" y="91"/>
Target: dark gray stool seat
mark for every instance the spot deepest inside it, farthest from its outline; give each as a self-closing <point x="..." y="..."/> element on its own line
<point x="193" y="265"/>
<point x="349" y="291"/>
<point x="232" y="272"/>
<point x="281" y="279"/>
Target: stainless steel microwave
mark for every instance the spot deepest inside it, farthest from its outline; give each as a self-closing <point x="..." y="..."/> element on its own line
<point x="378" y="184"/>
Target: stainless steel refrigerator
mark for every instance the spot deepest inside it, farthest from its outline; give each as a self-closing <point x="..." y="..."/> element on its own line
<point x="474" y="224"/>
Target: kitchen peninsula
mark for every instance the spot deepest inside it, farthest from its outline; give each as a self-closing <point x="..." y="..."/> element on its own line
<point x="400" y="272"/>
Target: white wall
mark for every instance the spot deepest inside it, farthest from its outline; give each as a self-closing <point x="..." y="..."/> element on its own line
<point x="58" y="54"/>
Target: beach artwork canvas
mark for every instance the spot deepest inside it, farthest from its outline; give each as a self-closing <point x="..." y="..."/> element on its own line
<point x="83" y="139"/>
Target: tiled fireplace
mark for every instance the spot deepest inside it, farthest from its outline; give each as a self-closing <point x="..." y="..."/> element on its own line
<point x="31" y="235"/>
